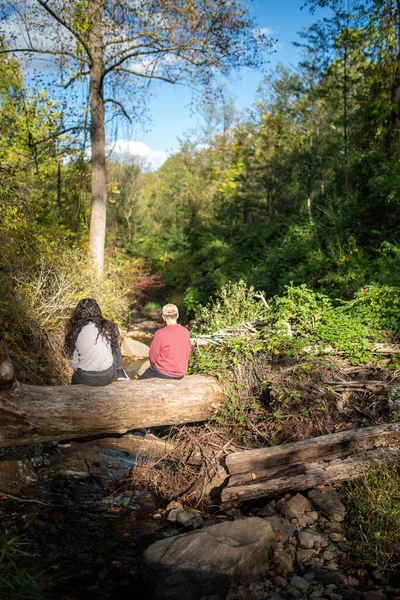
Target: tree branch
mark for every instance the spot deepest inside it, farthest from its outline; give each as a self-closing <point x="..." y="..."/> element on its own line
<point x="111" y="100"/>
<point x="55" y="16"/>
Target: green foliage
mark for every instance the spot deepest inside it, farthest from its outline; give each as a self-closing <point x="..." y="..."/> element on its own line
<point x="373" y="509"/>
<point x="235" y="303"/>
<point x="18" y="581"/>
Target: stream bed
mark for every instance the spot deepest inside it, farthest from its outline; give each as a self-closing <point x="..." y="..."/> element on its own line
<point x="89" y="531"/>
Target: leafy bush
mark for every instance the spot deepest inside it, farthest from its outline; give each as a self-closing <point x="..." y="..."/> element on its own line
<point x="235" y="303"/>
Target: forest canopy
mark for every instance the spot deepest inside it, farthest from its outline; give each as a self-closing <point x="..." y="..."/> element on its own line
<point x="303" y="187"/>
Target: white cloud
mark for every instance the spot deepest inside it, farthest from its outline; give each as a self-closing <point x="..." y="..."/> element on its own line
<point x="125" y="149"/>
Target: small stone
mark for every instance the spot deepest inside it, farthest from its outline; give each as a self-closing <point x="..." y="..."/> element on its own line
<point x="285" y="528"/>
<point x="337" y="537"/>
<point x="291" y="550"/>
<point x="334" y="527"/>
<point x="187" y="517"/>
<point x="296" y="507"/>
<point x="333" y="566"/>
<point x="325" y="576"/>
<point x="304" y="555"/>
<point x="173" y="504"/>
<point x="305" y="521"/>
<point x="294" y="593"/>
<point x="313" y="514"/>
<point x="172" y="515"/>
<point x="157" y="515"/>
<point x="283" y="561"/>
<point x="299" y="583"/>
<point x="309" y="538"/>
<point x="327" y="500"/>
<point x="292" y="540"/>
<point x="280" y="581"/>
<point x="280" y="505"/>
<point x="328" y="555"/>
<point x="335" y="596"/>
<point x="268" y="510"/>
<point x="375" y="595"/>
<point x="309" y="576"/>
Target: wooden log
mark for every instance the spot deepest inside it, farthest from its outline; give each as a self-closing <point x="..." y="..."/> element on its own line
<point x="326" y="447"/>
<point x="31" y="414"/>
<point x="302" y="476"/>
<point x="149" y="445"/>
<point x="300" y="465"/>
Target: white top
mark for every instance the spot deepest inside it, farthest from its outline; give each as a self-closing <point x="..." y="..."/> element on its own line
<point x="91" y="354"/>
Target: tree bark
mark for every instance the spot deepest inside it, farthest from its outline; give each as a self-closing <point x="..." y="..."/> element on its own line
<point x="32" y="414"/>
<point x="97" y="134"/>
<point x="301" y="465"/>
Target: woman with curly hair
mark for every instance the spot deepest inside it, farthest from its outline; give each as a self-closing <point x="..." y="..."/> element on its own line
<point x="91" y="344"/>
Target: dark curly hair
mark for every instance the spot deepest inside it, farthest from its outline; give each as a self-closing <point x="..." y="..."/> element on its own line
<point x="86" y="311"/>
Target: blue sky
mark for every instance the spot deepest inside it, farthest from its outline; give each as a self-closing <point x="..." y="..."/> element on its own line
<point x="170" y="113"/>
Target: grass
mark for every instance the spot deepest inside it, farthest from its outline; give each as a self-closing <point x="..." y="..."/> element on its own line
<point x="373" y="509"/>
<point x="17" y="579"/>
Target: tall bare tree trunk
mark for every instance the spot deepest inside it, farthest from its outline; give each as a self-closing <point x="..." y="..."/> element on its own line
<point x="97" y="132"/>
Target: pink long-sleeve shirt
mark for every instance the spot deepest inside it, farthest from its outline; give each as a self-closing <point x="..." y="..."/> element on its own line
<point x="170" y="349"/>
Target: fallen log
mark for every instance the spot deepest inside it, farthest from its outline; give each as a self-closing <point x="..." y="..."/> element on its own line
<point x="149" y="445"/>
<point x="32" y="414"/>
<point x="301" y="465"/>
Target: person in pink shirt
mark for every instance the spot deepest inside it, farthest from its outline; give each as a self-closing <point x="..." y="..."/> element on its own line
<point x="170" y="349"/>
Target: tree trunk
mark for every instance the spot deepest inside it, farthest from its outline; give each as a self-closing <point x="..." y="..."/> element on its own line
<point x="305" y="464"/>
<point x="97" y="133"/>
<point x="32" y="414"/>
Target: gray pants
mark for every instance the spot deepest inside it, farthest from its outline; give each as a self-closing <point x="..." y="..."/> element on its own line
<point x="99" y="378"/>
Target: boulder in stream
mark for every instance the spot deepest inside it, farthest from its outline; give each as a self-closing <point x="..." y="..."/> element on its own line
<point x="206" y="562"/>
<point x="131" y="348"/>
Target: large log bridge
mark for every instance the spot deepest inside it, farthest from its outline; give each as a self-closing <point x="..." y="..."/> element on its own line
<point x="32" y="414"/>
<point x="303" y="465"/>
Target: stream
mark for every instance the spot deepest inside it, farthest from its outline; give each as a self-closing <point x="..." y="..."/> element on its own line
<point x="85" y="528"/>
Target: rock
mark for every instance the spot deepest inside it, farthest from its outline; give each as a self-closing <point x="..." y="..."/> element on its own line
<point x="157" y="515"/>
<point x="309" y="576"/>
<point x="268" y="510"/>
<point x="189" y="518"/>
<point x="326" y="577"/>
<point x="305" y="520"/>
<point x="173" y="504"/>
<point x="173" y="514"/>
<point x="296" y="507"/>
<point x="143" y="367"/>
<point x="293" y="593"/>
<point x="283" y="562"/>
<point x="328" y="555"/>
<point x="327" y="500"/>
<point x="299" y="583"/>
<point x="280" y="506"/>
<point x="309" y="538"/>
<point x="337" y="537"/>
<point x="313" y="514"/>
<point x="284" y="527"/>
<point x="304" y="555"/>
<point x="334" y="527"/>
<point x="131" y="348"/>
<point x="206" y="562"/>
<point x="375" y="595"/>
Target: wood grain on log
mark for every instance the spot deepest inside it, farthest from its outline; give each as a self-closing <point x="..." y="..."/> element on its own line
<point x="330" y="446"/>
<point x="302" y="476"/>
<point x="31" y="414"/>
